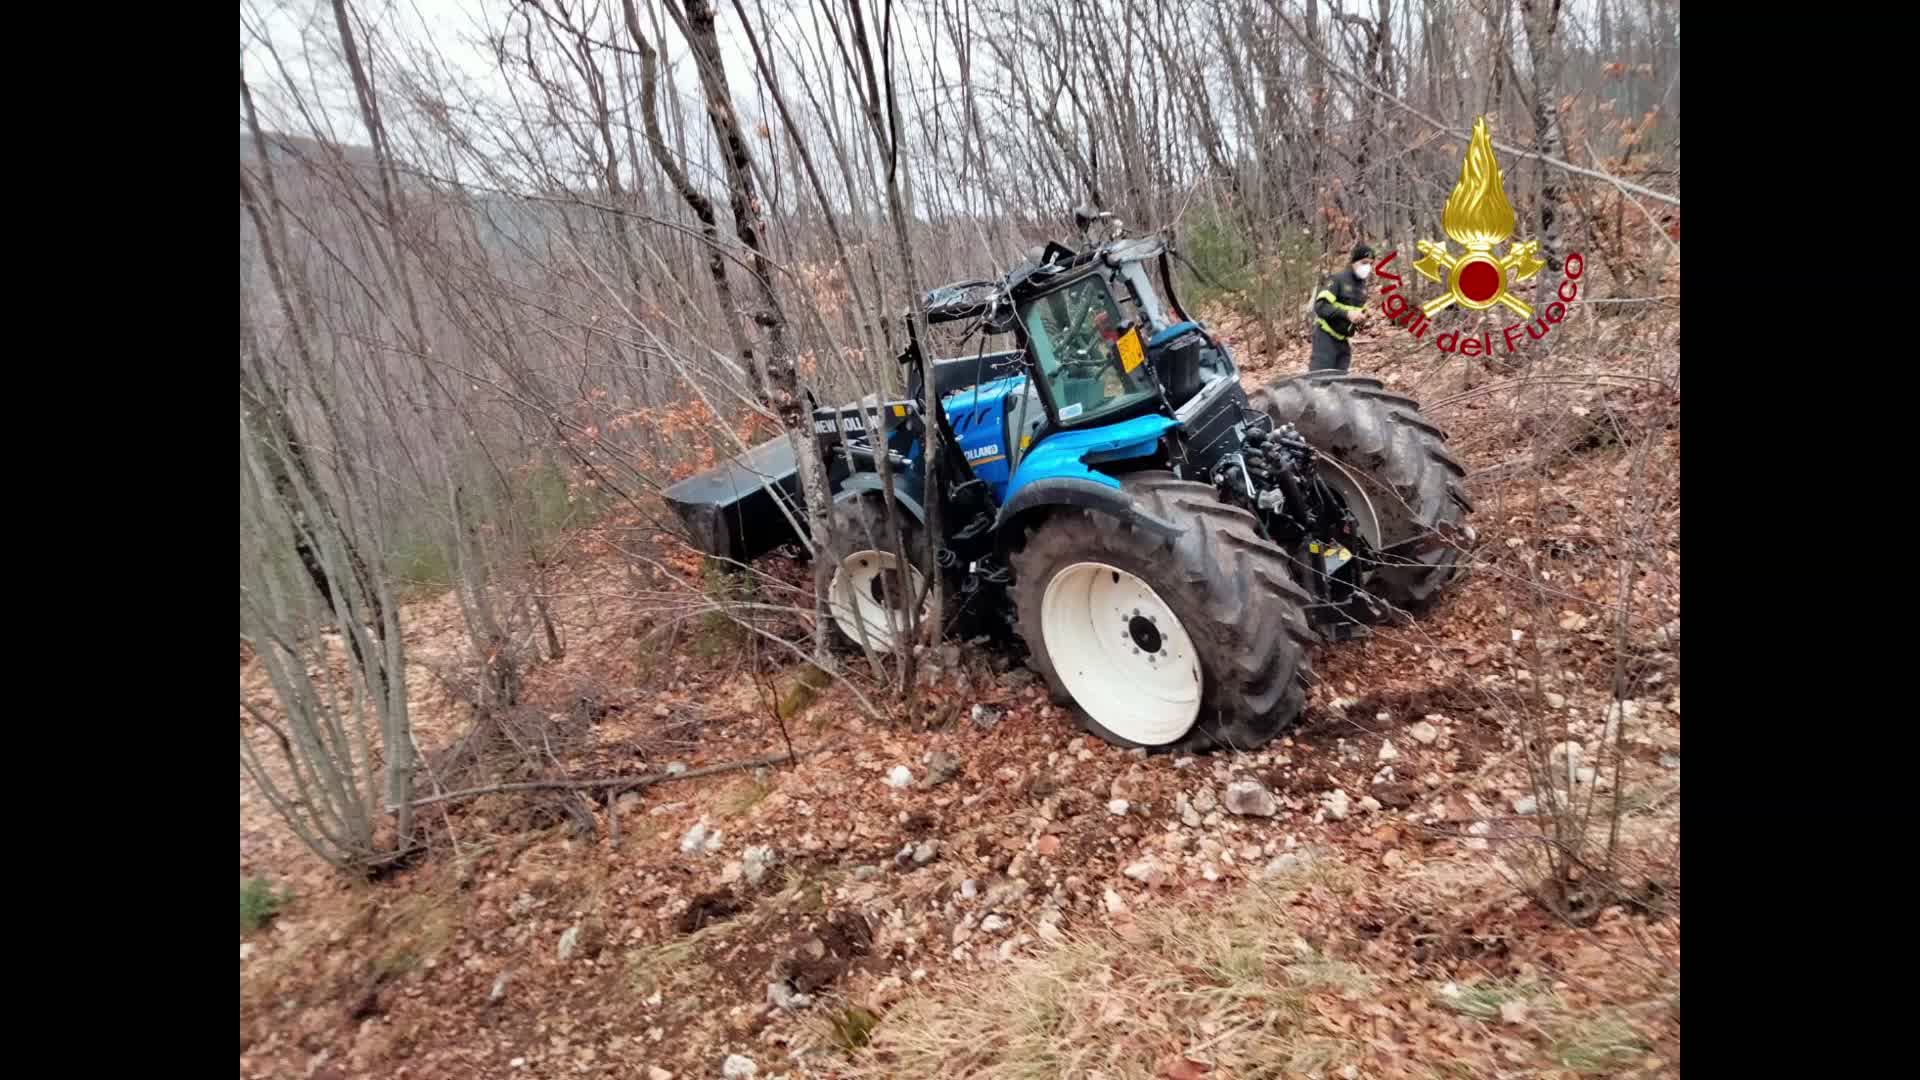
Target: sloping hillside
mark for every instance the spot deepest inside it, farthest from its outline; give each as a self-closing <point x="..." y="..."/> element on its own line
<point x="1033" y="902"/>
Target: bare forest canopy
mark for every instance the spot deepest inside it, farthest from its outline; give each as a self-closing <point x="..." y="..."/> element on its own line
<point x="508" y="265"/>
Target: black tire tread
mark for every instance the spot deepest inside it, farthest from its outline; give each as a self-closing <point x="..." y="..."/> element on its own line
<point x="1233" y="590"/>
<point x="1415" y="484"/>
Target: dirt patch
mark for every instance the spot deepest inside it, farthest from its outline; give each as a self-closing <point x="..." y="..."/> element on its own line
<point x="1304" y="781"/>
<point x="1395" y="796"/>
<point x="1400" y="706"/>
<point x="817" y="959"/>
<point x="1434" y="941"/>
<point x="707" y="909"/>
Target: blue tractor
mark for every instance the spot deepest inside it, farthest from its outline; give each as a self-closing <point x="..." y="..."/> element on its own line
<point x="1167" y="547"/>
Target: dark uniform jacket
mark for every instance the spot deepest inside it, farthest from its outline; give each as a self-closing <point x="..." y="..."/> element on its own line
<point x="1334" y="303"/>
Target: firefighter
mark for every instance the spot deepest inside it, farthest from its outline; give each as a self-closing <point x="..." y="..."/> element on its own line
<point x="1336" y="308"/>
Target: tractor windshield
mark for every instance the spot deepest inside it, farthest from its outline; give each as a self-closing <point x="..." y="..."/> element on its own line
<point x="1074" y="333"/>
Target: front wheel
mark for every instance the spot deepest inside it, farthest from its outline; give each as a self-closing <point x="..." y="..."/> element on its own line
<point x="1194" y="643"/>
<point x="869" y="596"/>
<point x="1392" y="467"/>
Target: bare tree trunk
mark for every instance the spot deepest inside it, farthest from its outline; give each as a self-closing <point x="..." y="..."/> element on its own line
<point x="1317" y="134"/>
<point x="669" y="163"/>
<point x="1544" y="55"/>
<point x="887" y="136"/>
<point x="779" y="384"/>
<point x="270" y="408"/>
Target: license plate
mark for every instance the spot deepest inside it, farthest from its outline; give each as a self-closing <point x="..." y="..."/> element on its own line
<point x="1131" y="354"/>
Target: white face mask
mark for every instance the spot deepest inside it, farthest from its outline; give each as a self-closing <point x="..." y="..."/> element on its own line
<point x="1362" y="270"/>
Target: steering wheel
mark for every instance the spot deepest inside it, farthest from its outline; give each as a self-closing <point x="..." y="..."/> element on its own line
<point x="1079" y="323"/>
<point x="1095" y="357"/>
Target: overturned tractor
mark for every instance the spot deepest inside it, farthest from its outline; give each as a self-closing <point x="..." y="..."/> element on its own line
<point x="1167" y="547"/>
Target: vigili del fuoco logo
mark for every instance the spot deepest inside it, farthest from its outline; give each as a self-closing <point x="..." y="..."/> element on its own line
<point x="1478" y="217"/>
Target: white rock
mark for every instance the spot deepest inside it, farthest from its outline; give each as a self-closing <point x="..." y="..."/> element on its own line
<point x="926" y="852"/>
<point x="1117" y="807"/>
<point x="1115" y="905"/>
<point x="1387" y="752"/>
<point x="756" y="861"/>
<point x="246" y="949"/>
<point x="1145" y="870"/>
<point x="1556" y="701"/>
<point x="1205" y="802"/>
<point x="1563" y="759"/>
<point x="1526" y="805"/>
<point x="1424" y="733"/>
<point x="1384" y="776"/>
<point x="1479" y="828"/>
<point x="739" y="1067"/>
<point x="1281" y="864"/>
<point x="676" y="768"/>
<point x="1250" y="797"/>
<point x="655" y="1072"/>
<point x="499" y="991"/>
<point x="1669" y="761"/>
<point x="696" y="840"/>
<point x="517" y="1063"/>
<point x="969" y="889"/>
<point x="898" y="777"/>
<point x="1369" y="804"/>
<point x="993" y="924"/>
<point x="1337" y="806"/>
<point x="779" y="994"/>
<point x="569" y="941"/>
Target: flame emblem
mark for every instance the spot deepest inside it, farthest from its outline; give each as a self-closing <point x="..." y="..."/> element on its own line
<point x="1477" y="217"/>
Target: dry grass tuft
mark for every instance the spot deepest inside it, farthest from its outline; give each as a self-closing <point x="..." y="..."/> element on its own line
<point x="1230" y="990"/>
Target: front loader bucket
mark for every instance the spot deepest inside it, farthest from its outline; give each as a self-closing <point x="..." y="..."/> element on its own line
<point x="729" y="510"/>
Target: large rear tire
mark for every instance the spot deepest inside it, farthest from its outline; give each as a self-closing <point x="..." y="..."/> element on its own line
<point x="1192" y="644"/>
<point x="868" y="594"/>
<point x="1412" y="486"/>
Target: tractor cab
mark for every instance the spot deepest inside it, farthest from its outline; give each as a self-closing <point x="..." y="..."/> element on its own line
<point x="1097" y="347"/>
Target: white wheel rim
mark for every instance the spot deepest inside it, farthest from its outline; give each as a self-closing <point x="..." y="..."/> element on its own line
<point x="855" y="607"/>
<point x="1342" y="480"/>
<point x="1122" y="653"/>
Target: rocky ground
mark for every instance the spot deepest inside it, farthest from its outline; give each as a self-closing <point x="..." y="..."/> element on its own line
<point x="843" y="914"/>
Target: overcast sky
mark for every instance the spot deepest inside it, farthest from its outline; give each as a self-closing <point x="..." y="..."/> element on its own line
<point x="302" y="32"/>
